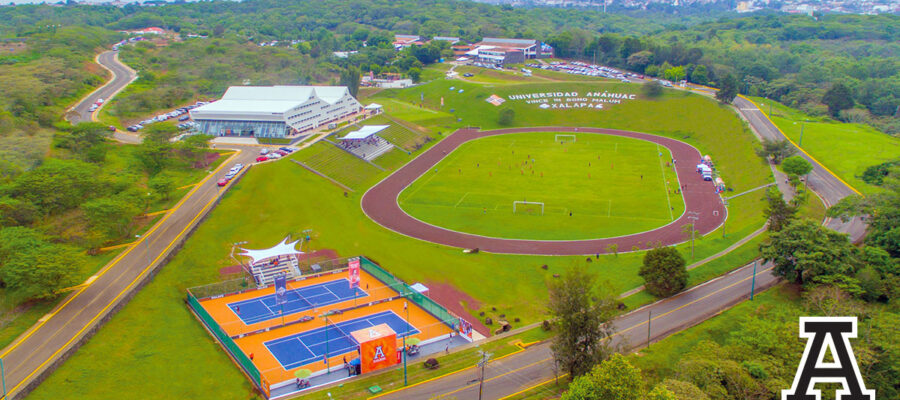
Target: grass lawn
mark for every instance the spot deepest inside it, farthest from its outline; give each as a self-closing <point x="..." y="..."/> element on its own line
<point x="846" y="149"/>
<point x="154" y="338"/>
<point x="613" y="186"/>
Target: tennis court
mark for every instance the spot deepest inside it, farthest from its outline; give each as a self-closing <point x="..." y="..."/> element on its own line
<point x="310" y="346"/>
<point x="298" y="300"/>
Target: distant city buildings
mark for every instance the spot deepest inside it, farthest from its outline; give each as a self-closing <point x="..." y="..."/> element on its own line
<point x="789" y="6"/>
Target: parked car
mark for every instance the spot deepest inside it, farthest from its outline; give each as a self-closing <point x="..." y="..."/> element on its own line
<point x="112" y="128"/>
<point x="93" y="108"/>
<point x="264" y="151"/>
<point x="287" y="149"/>
<point x="468" y="75"/>
<point x="184" y="118"/>
<point x="273" y="155"/>
<point x="230" y="174"/>
<point x="281" y="152"/>
<point x="222" y="182"/>
<point x="262" y="158"/>
<point x="132" y="128"/>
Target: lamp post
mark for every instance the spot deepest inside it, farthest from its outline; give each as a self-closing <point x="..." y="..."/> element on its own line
<point x="405" y="308"/>
<point x="327" y="368"/>
<point x="693" y="216"/>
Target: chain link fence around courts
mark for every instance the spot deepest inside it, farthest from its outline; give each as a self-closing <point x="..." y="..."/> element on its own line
<point x="244" y="283"/>
<point x="429" y="305"/>
<point x="224" y="339"/>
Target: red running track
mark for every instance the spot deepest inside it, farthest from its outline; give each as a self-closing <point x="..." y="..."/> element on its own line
<point x="380" y="202"/>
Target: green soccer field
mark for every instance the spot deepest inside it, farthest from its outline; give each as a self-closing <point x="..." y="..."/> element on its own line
<point x="593" y="187"/>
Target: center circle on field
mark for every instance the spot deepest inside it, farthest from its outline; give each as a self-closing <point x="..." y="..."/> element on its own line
<point x="590" y="185"/>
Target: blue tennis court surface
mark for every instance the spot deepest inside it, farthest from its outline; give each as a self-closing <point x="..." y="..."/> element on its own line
<point x="306" y="298"/>
<point x="307" y="347"/>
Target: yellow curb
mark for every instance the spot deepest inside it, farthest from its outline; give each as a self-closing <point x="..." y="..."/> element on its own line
<point x="801" y="149"/>
<point x="118" y="246"/>
<point x="156" y="213"/>
<point x="187" y="186"/>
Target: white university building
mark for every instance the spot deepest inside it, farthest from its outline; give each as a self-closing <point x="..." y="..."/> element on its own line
<point x="274" y="111"/>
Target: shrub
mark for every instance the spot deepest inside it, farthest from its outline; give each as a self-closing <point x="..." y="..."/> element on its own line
<point x="431" y="363"/>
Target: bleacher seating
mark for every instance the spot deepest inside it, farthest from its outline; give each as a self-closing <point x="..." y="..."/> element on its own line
<point x="264" y="272"/>
<point x="367" y="149"/>
<point x="346" y="168"/>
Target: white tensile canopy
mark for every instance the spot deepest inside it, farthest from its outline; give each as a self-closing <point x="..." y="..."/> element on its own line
<point x="280" y="249"/>
<point x="373" y="106"/>
<point x="365" y="132"/>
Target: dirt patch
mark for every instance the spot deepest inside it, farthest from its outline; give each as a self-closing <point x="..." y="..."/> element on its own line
<point x="457" y="302"/>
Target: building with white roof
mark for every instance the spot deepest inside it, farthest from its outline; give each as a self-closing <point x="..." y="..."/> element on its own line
<point x="274" y="111"/>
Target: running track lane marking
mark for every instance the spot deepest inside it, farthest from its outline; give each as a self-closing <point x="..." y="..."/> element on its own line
<point x="116" y="259"/>
<point x="127" y="288"/>
<point x="665" y="183"/>
<point x="615" y="334"/>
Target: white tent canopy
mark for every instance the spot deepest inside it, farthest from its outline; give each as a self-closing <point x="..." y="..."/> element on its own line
<point x="365" y="132"/>
<point x="373" y="106"/>
<point x="280" y="249"/>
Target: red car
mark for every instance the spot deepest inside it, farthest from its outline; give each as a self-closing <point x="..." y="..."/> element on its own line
<point x="222" y="182"/>
<point x="262" y="158"/>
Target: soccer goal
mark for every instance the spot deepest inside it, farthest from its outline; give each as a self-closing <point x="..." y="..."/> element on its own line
<point x="527" y="206"/>
<point x="564" y="138"/>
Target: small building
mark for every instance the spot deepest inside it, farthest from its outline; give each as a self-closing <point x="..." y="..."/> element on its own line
<point x="274" y="111"/>
<point x="507" y="51"/>
<point x="404" y="41"/>
<point x="451" y="39"/>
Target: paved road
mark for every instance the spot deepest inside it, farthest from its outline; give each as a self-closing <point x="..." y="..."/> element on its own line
<point x="534" y="366"/>
<point x="27" y="358"/>
<point x="380" y="202"/>
<point x="122" y="75"/>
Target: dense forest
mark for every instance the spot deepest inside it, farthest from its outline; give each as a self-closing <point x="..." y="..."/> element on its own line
<point x="795" y="59"/>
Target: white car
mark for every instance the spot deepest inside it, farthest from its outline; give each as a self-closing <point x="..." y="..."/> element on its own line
<point x="273" y="156"/>
<point x="264" y="151"/>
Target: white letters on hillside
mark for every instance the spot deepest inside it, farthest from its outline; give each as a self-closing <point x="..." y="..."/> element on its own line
<point x="571" y="100"/>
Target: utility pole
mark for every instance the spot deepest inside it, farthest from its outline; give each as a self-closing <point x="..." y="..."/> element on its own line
<point x="693" y="216"/>
<point x="484" y="360"/>
<point x="405" y="307"/>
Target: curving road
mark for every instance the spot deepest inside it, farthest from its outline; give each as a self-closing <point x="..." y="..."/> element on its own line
<point x="380" y="202"/>
<point x="122" y="75"/>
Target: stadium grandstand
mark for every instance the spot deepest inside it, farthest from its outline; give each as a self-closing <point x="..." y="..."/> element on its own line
<point x="274" y="111"/>
<point x="329" y="160"/>
<point x="365" y="142"/>
<point x="399" y="135"/>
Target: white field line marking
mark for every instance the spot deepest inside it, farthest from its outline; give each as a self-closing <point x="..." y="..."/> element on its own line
<point x="461" y="199"/>
<point x="665" y="184"/>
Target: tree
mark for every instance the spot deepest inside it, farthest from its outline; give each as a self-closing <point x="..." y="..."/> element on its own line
<point x="777" y="150"/>
<point x="111" y="216"/>
<point x="675" y="74"/>
<point x="162" y="184"/>
<point x="804" y="250"/>
<point x="882" y="213"/>
<point x="41" y="272"/>
<point x="613" y="379"/>
<point x="838" y="98"/>
<point x="728" y="89"/>
<point x="664" y="271"/>
<point x="16" y="212"/>
<point x="700" y="75"/>
<point x="506" y="117"/>
<point x="640" y="60"/>
<point x="778" y="212"/>
<point x="57" y="185"/>
<point x="796" y="166"/>
<point x="652" y="89"/>
<point x="583" y="318"/>
<point x="350" y="79"/>
<point x="415" y="74"/>
<point x="661" y="393"/>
